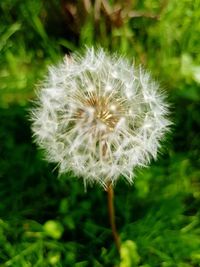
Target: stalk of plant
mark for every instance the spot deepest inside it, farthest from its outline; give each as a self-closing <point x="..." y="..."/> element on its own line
<point x="100" y="117"/>
<point x="111" y="211"/>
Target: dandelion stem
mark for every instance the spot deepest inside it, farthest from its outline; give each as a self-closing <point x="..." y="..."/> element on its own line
<point x="111" y="211"/>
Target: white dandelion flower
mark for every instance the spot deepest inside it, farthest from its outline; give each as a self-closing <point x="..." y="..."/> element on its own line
<point x="100" y="117"/>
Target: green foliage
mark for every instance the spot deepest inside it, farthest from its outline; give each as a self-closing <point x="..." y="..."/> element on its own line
<point x="50" y="221"/>
<point x="129" y="254"/>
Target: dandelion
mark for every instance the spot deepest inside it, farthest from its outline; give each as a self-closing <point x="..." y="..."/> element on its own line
<point x="100" y="117"/>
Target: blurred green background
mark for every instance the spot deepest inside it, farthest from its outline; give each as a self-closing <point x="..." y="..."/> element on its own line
<point x="46" y="221"/>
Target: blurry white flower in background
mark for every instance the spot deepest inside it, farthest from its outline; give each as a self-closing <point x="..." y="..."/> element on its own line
<point x="99" y="116"/>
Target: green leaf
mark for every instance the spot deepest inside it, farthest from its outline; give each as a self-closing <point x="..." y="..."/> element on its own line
<point x="129" y="254"/>
<point x="53" y="229"/>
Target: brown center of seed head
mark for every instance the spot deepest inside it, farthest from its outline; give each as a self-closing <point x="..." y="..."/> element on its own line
<point x="103" y="109"/>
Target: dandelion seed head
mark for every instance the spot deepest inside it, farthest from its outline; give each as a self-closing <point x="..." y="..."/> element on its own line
<point x="100" y="117"/>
